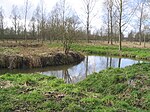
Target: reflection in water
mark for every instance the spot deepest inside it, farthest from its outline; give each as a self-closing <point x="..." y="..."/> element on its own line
<point x="76" y="73"/>
<point x="110" y="61"/>
<point x="90" y="65"/>
<point x="86" y="68"/>
<point x="119" y="63"/>
<point x="66" y="76"/>
<point x="107" y="62"/>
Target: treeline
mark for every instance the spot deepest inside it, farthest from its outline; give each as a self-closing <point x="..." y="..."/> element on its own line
<point x="63" y="23"/>
<point x="60" y="23"/>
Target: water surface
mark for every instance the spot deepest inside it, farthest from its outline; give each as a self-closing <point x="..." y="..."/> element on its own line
<point x="76" y="73"/>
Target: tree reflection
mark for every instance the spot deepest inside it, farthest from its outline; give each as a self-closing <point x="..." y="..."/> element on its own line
<point x="119" y="63"/>
<point x="110" y="61"/>
<point x="107" y="62"/>
<point x="86" y="66"/>
<point x="66" y="76"/>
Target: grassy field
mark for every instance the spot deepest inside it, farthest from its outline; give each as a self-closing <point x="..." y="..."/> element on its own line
<point x="137" y="53"/>
<point x="112" y="90"/>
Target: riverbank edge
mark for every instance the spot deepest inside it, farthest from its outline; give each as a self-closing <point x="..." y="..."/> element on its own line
<point x="134" y="53"/>
<point x="16" y="61"/>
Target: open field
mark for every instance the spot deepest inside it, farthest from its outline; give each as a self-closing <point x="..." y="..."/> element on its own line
<point x="124" y="44"/>
<point x="95" y="42"/>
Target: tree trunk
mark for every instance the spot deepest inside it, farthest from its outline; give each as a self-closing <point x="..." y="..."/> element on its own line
<point x="111" y="22"/>
<point x="26" y="12"/>
<point x="144" y="41"/>
<point x="120" y="27"/>
<point x="88" y="17"/>
<point x="140" y="27"/>
<point x="108" y="38"/>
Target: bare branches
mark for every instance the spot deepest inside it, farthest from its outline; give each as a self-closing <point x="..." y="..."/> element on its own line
<point x="15" y="17"/>
<point x="88" y="7"/>
<point x="25" y="19"/>
<point x="1" y="22"/>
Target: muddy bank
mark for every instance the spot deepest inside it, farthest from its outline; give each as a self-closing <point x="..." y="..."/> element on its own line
<point x="41" y="60"/>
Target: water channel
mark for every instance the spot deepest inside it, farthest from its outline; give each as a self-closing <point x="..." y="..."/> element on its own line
<point x="76" y="73"/>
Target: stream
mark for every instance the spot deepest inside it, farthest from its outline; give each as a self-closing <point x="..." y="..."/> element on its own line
<point x="76" y="73"/>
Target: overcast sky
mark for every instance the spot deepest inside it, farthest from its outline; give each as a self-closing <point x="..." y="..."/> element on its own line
<point x="48" y="4"/>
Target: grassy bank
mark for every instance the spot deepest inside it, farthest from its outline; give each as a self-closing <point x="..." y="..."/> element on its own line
<point x="137" y="53"/>
<point x="112" y="90"/>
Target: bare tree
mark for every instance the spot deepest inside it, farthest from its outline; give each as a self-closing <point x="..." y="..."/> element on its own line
<point x="130" y="36"/>
<point x="1" y="22"/>
<point x="40" y="20"/>
<point x="140" y="21"/>
<point x="125" y="11"/>
<point x="146" y="31"/>
<point x="53" y="23"/>
<point x="43" y="21"/>
<point x="88" y="9"/>
<point x="32" y="25"/>
<point x="71" y="26"/>
<point x="109" y="19"/>
<point x="120" y="23"/>
<point x="64" y="22"/>
<point x="37" y="17"/>
<point x="106" y="19"/>
<point x="15" y="17"/>
<point x="142" y="18"/>
<point x="25" y="18"/>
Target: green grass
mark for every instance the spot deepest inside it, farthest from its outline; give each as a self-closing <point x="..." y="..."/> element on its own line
<point x="9" y="50"/>
<point x="138" y="53"/>
<point x="111" y="90"/>
<point x="108" y="91"/>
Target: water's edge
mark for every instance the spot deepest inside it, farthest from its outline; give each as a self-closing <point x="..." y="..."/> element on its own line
<point x="76" y="73"/>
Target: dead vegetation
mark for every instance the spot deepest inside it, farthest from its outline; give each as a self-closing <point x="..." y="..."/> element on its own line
<point x="124" y="44"/>
<point x="21" y="45"/>
<point x="35" y="56"/>
<point x="30" y="61"/>
<point x="5" y="84"/>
